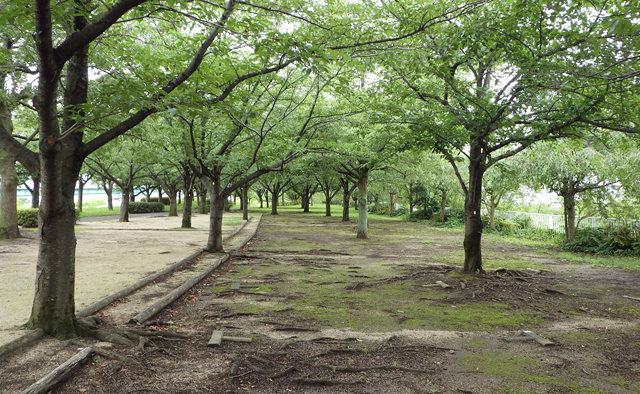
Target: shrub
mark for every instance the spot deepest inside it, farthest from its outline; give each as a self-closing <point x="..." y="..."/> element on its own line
<point x="28" y="217"/>
<point x="145" y="207"/>
<point x="613" y="240"/>
<point x="165" y="200"/>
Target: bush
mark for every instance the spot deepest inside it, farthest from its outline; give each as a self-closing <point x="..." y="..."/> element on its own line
<point x="613" y="240"/>
<point x="28" y="218"/>
<point x="165" y="200"/>
<point x="145" y="207"/>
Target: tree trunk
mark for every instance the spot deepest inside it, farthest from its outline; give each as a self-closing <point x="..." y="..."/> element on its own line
<point x="80" y="191"/>
<point x="274" y="199"/>
<point x="376" y="202"/>
<point x="60" y="164"/>
<point x="124" y="205"/>
<point x="8" y="196"/>
<point x="189" y="180"/>
<point x="216" y="212"/>
<point x="245" y="202"/>
<point x="472" y="207"/>
<point x="186" y="210"/>
<point x="363" y="220"/>
<point x="173" y="203"/>
<point x="35" y="193"/>
<point x="569" y="202"/>
<point x="392" y="202"/>
<point x="346" y="198"/>
<point x="443" y="205"/>
<point x="108" y="189"/>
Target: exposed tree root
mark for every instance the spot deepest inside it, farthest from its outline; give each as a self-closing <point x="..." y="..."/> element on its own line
<point x="108" y="354"/>
<point x="324" y="382"/>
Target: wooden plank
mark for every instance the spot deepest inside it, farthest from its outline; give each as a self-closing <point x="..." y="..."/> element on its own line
<point x="538" y="338"/>
<point x="60" y="374"/>
<point x="173" y="295"/>
<point x="216" y="339"/>
<point x="218" y="336"/>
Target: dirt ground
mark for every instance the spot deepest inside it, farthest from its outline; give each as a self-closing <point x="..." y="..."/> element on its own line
<point x="332" y="314"/>
<point x="109" y="256"/>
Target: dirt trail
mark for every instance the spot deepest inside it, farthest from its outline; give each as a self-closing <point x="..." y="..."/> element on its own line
<point x="109" y="256"/>
<point x="335" y="315"/>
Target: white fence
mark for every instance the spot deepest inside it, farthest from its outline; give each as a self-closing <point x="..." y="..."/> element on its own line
<point x="556" y="222"/>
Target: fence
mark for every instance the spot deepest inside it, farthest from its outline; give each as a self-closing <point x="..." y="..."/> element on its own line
<point x="556" y="222"/>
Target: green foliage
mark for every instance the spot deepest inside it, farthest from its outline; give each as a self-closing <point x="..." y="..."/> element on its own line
<point x="165" y="200"/>
<point x="613" y="240"/>
<point x="28" y="218"/>
<point x="145" y="207"/>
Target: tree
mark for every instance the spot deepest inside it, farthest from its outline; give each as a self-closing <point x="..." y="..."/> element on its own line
<point x="495" y="82"/>
<point x="62" y="149"/>
<point x="575" y="170"/>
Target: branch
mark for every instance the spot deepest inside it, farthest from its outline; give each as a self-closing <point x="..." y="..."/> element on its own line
<point x="142" y="114"/>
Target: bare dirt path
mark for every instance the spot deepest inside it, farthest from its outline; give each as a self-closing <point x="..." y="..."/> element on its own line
<point x="109" y="256"/>
<point x="332" y="314"/>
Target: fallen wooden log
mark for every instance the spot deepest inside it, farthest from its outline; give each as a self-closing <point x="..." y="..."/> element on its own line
<point x="248" y="238"/>
<point x="21" y="341"/>
<point x="60" y="374"/>
<point x="218" y="336"/>
<point x="172" y="296"/>
<point x="98" y="305"/>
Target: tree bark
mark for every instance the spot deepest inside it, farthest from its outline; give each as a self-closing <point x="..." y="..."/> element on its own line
<point x="187" y="207"/>
<point x="60" y="164"/>
<point x="392" y="201"/>
<point x="346" y="197"/>
<point x="8" y="175"/>
<point x="275" y="193"/>
<point x="216" y="212"/>
<point x="472" y="208"/>
<point x="8" y="197"/>
<point x="124" y="205"/>
<point x="108" y="190"/>
<point x="173" y="202"/>
<point x="568" y="194"/>
<point x="363" y="220"/>
<point x="35" y="193"/>
<point x="245" y="202"/>
<point x="443" y="205"/>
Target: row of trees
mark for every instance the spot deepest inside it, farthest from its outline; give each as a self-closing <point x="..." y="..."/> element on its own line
<point x="228" y="93"/>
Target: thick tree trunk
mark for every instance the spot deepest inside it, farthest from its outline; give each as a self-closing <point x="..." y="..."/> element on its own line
<point x="173" y="203"/>
<point x="327" y="207"/>
<point x="124" y="205"/>
<point x="216" y="212"/>
<point x="363" y="220"/>
<point x="80" y="192"/>
<point x="8" y="197"/>
<point x="35" y="193"/>
<point x="108" y="190"/>
<point x="473" y="220"/>
<point x="186" y="210"/>
<point x="54" y="304"/>
<point x="346" y="198"/>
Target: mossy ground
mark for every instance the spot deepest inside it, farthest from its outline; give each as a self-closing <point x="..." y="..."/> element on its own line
<point x="364" y="316"/>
